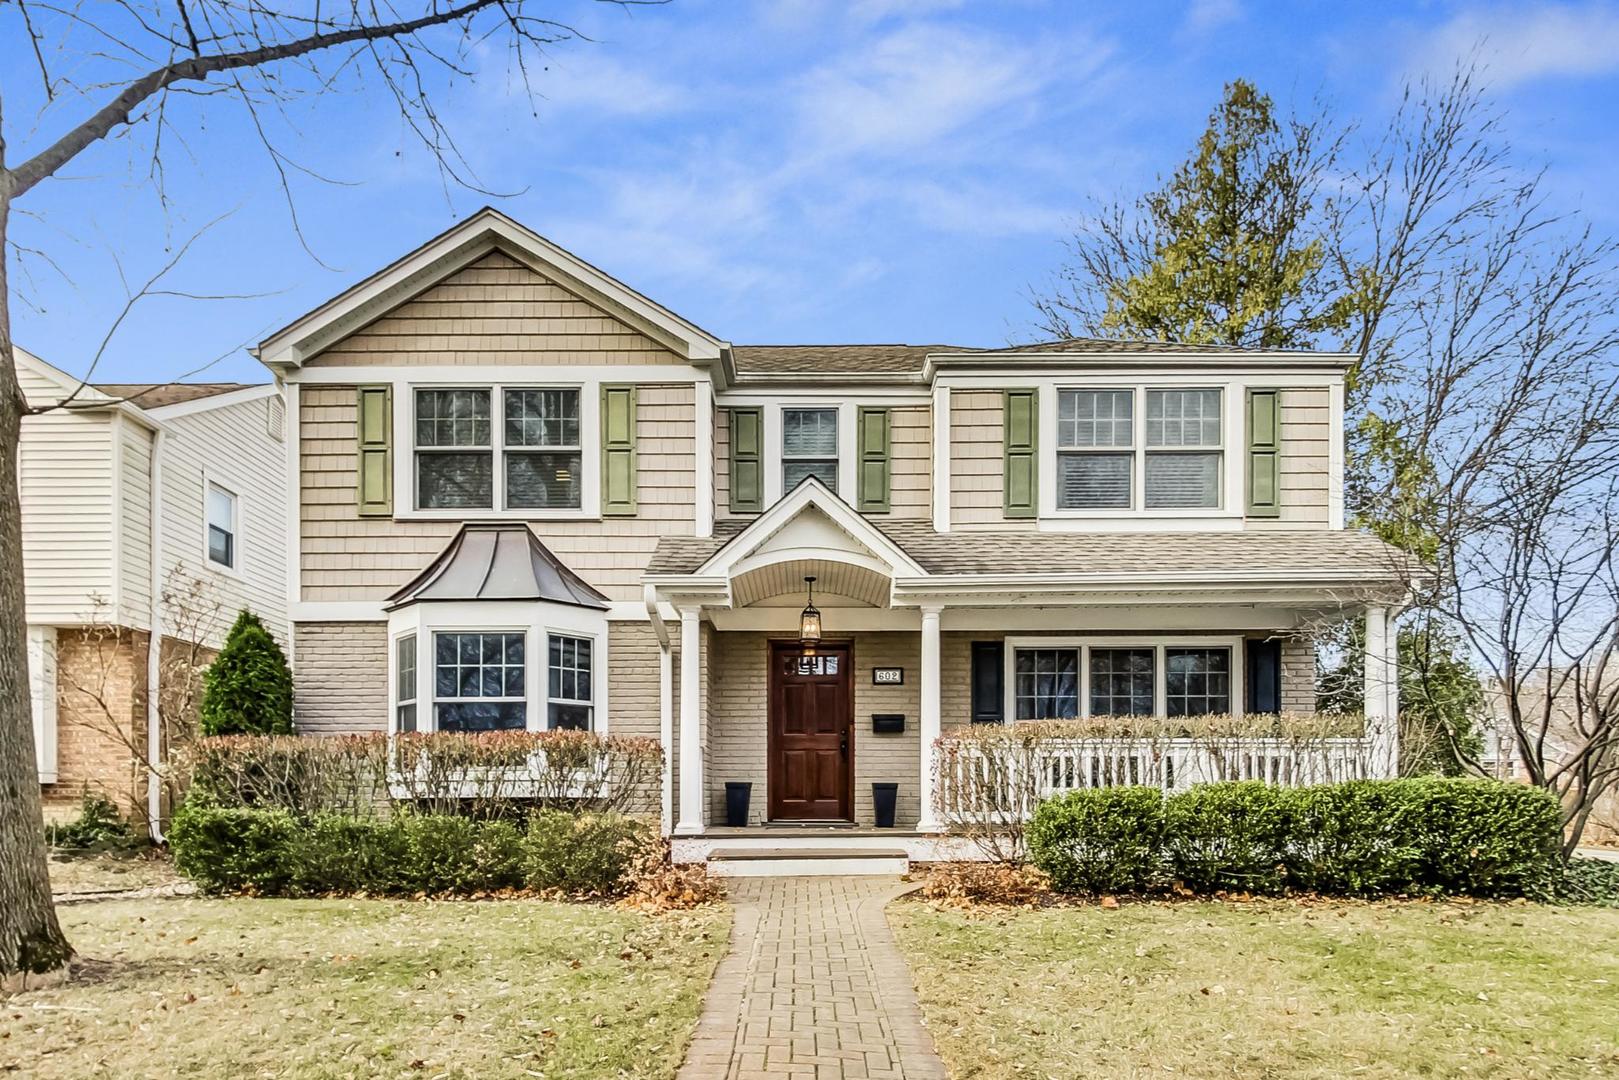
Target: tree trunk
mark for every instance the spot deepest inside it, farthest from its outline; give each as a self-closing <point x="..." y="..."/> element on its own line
<point x="31" y="942"/>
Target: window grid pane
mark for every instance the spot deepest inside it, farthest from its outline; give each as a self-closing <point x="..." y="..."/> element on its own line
<point x="543" y="481"/>
<point x="1197" y="681"/>
<point x="794" y="472"/>
<point x="478" y="681"/>
<point x="1121" y="682"/>
<point x="1185" y="481"/>
<point x="452" y="418"/>
<point x="405" y="651"/>
<point x="455" y="480"/>
<point x="809" y="432"/>
<point x="1094" y="481"/>
<point x="570" y="685"/>
<point x="1046" y="684"/>
<point x="1095" y="418"/>
<point x="1183" y="418"/>
<point x="542" y="417"/>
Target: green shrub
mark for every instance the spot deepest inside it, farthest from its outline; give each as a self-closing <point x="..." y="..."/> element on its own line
<point x="1102" y="840"/>
<point x="271" y="852"/>
<point x="1427" y="836"/>
<point x="235" y="850"/>
<point x="1587" y="881"/>
<point x="247" y="690"/>
<point x="1229" y="837"/>
<point x="97" y="828"/>
<point x="581" y="854"/>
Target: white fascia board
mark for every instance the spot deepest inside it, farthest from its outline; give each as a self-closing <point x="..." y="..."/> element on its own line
<point x="86" y="398"/>
<point x="455" y="248"/>
<point x="217" y="401"/>
<point x="1014" y="362"/>
<point x="809" y="493"/>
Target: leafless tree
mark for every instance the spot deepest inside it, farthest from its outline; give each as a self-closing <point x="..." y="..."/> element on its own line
<point x="155" y="68"/>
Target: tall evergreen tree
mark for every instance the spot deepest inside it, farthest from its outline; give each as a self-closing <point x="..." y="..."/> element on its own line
<point x="248" y="688"/>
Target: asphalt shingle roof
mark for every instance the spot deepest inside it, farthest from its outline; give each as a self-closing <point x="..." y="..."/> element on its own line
<point x="909" y="359"/>
<point x="157" y="395"/>
<point x="1100" y="553"/>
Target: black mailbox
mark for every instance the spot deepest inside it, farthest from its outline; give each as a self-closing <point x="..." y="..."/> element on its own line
<point x="887" y="723"/>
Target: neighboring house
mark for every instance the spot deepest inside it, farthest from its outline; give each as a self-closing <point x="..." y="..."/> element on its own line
<point x="530" y="497"/>
<point x="170" y="496"/>
<point x="1503" y="759"/>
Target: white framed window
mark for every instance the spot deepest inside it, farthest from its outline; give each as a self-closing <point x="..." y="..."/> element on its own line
<point x="405" y="683"/>
<point x="1124" y="450"/>
<point x="570" y="683"/>
<point x="498" y="448"/>
<point x="222" y="520"/>
<point x="1066" y="678"/>
<point x="809" y="446"/>
<point x="479" y="681"/>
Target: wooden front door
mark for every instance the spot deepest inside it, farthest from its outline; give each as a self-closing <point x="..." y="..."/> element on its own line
<point x="811" y="713"/>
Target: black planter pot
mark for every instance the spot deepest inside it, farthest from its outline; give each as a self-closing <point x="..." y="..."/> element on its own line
<point x="883" y="799"/>
<point x="736" y="803"/>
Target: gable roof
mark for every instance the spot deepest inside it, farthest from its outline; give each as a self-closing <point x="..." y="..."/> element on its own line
<point x="160" y="395"/>
<point x="503" y="561"/>
<point x="457" y="247"/>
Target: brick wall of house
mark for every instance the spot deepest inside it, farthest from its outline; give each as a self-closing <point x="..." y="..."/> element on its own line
<point x="340" y="677"/>
<point x="100" y="720"/>
<point x="1298" y="675"/>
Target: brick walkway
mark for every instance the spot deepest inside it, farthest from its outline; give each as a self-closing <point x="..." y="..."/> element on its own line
<point x="813" y="986"/>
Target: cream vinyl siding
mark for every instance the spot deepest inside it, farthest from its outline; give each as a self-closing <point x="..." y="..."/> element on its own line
<point x="1306" y="419"/>
<point x="65" y="474"/>
<point x="495" y="311"/>
<point x="232" y="447"/>
<point x="134" y="523"/>
<point x="346" y="557"/>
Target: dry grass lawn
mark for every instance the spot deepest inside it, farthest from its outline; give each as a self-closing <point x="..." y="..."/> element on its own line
<point x="352" y="988"/>
<point x="1269" y="990"/>
<point x="140" y="869"/>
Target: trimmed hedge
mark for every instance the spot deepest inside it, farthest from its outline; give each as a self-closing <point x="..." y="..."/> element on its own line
<point x="1429" y="837"/>
<point x="270" y="852"/>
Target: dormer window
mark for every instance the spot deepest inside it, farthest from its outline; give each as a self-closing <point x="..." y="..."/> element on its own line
<point x="809" y="447"/>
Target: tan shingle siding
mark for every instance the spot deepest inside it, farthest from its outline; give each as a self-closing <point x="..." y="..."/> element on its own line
<point x="977" y="468"/>
<point x="911" y="463"/>
<point x="1304" y="465"/>
<point x="347" y="557"/>
<point x="495" y="311"/>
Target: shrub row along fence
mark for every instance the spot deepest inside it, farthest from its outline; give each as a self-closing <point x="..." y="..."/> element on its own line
<point x="275" y="852"/>
<point x="1420" y="837"/>
<point x="487" y="776"/>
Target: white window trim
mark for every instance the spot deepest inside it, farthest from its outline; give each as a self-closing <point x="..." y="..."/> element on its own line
<point x="1157" y="643"/>
<point x="42" y="698"/>
<point x="404" y="465"/>
<point x="537" y="620"/>
<point x="209" y="482"/>
<point x="598" y="682"/>
<point x="772" y="434"/>
<point x="1231" y="420"/>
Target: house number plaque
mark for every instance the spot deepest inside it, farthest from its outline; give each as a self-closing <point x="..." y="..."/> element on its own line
<point x="887" y="676"/>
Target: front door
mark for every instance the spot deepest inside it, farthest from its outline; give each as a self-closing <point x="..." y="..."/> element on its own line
<point x="811" y="707"/>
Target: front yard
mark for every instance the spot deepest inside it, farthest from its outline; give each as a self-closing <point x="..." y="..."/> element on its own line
<point x="343" y="988"/>
<point x="1270" y="989"/>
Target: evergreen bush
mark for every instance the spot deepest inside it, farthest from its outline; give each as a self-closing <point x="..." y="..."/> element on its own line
<point x="247" y="690"/>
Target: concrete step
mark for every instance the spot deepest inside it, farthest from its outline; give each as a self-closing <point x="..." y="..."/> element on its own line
<point x="805" y="862"/>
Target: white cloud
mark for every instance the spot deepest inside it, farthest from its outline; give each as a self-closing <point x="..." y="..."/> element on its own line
<point x="1206" y="15"/>
<point x="589" y="82"/>
<point x="1518" y="45"/>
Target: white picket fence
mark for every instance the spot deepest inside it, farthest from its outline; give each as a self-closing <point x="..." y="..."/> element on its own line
<point x="998" y="785"/>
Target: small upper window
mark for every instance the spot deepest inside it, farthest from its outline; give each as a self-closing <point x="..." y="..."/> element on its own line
<point x="809" y="447"/>
<point x="1183" y="449"/>
<point x="221" y="510"/>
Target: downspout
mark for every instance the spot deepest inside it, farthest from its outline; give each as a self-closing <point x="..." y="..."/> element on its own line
<point x="154" y="650"/>
<point x="666" y="705"/>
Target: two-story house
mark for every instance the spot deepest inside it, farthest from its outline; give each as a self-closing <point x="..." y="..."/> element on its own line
<point x="151" y="514"/>
<point x="530" y="497"/>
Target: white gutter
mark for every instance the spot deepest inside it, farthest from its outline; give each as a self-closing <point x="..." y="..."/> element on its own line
<point x="154" y="650"/>
<point x="666" y="707"/>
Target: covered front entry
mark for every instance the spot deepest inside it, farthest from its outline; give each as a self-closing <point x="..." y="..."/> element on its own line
<point x="811" y="737"/>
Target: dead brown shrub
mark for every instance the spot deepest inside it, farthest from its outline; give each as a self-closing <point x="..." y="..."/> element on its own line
<point x="968" y="884"/>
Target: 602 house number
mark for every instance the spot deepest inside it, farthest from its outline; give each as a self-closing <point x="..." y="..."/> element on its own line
<point x="887" y="676"/>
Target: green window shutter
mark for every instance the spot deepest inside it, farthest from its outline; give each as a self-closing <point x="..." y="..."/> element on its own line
<point x="618" y="450"/>
<point x="1021" y="482"/>
<point x="874" y="453"/>
<point x="747" y="461"/>
<point x="374" y="474"/>
<point x="1264" y="453"/>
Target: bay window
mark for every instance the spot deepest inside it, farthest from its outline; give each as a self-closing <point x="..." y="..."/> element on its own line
<point x="568" y="706"/>
<point x="1170" y="442"/>
<point x="536" y="438"/>
<point x="1056" y="679"/>
<point x="405" y="684"/>
<point x="478" y="682"/>
<point x="809" y="447"/>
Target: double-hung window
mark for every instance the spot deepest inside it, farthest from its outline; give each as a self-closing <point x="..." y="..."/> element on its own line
<point x="569" y="705"/>
<point x="533" y="433"/>
<point x="1060" y="682"/>
<point x="1174" y="449"/>
<point x="405" y="683"/>
<point x="478" y="681"/>
<point x="222" y="526"/>
<point x="809" y="447"/>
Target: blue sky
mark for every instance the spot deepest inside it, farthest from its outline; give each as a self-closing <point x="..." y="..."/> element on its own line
<point x="796" y="171"/>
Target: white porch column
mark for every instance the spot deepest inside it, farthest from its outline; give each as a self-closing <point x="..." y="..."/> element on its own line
<point x="666" y="732"/>
<point x="1382" y="694"/>
<point x="929" y="718"/>
<point x="691" y="742"/>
